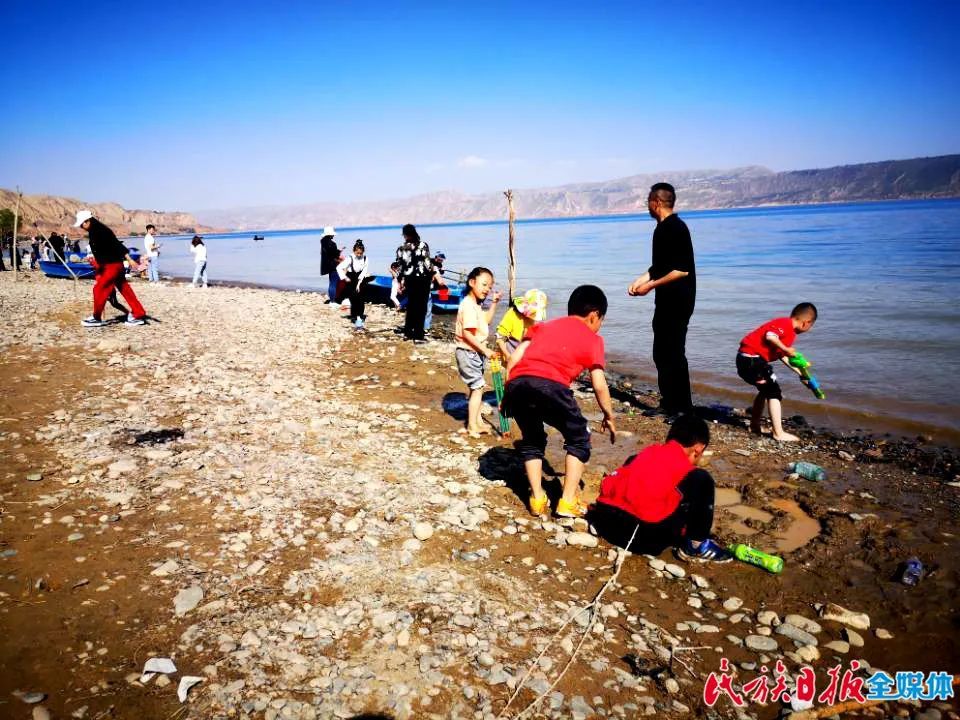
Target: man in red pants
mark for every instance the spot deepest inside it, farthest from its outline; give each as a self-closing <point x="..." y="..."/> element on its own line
<point x="109" y="254"/>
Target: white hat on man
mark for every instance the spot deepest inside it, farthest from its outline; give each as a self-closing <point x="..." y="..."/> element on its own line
<point x="82" y="217"/>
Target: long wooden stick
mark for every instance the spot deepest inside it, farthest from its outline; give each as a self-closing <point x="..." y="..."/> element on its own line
<point x="14" y="250"/>
<point x="511" y="246"/>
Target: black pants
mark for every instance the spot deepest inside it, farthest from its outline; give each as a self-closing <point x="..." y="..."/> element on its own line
<point x="759" y="373"/>
<point x="533" y="401"/>
<point x="418" y="295"/>
<point x="693" y="519"/>
<point x="670" y="357"/>
<point x="354" y="292"/>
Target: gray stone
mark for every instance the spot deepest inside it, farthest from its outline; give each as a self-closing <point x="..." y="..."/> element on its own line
<point x="768" y="618"/>
<point x="423" y="531"/>
<point x="803" y="623"/>
<point x="675" y="570"/>
<point x="795" y="634"/>
<point x="187" y="599"/>
<point x="582" y="539"/>
<point x="840" y="614"/>
<point x="732" y="604"/>
<point x="839" y="646"/>
<point x="759" y="643"/>
<point x="853" y="637"/>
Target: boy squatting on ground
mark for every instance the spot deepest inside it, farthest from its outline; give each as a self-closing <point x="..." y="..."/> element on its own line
<point x="540" y="373"/>
<point x="664" y="497"/>
<point x="772" y="341"/>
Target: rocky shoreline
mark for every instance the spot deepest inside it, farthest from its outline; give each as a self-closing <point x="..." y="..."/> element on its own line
<point x="285" y="510"/>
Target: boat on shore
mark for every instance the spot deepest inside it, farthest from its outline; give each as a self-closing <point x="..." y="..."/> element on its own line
<point x="78" y="267"/>
<point x="445" y="300"/>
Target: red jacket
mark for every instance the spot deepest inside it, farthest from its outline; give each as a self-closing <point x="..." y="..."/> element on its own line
<point x="647" y="486"/>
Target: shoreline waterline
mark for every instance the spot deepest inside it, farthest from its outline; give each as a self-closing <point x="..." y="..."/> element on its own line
<point x="834" y="418"/>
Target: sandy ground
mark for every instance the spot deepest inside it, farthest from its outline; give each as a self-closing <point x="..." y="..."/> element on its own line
<point x="237" y="486"/>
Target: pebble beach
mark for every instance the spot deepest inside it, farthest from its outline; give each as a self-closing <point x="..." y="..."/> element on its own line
<point x="284" y="509"/>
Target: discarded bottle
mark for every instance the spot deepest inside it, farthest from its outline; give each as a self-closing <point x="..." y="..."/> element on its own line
<point x="912" y="572"/>
<point x="808" y="470"/>
<point x="747" y="554"/>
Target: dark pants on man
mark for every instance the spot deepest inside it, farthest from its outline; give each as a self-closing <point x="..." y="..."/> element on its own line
<point x="418" y="295"/>
<point x="692" y="519"/>
<point x="670" y="357"/>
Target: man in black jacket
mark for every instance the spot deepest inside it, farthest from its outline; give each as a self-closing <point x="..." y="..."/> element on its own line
<point x="109" y="254"/>
<point x="673" y="275"/>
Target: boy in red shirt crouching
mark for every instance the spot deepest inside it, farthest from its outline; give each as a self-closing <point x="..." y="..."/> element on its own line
<point x="541" y="370"/>
<point x="660" y="498"/>
<point x="772" y="341"/>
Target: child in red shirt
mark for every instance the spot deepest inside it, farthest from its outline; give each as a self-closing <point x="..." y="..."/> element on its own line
<point x="540" y="371"/>
<point x="660" y="498"/>
<point x="772" y="341"/>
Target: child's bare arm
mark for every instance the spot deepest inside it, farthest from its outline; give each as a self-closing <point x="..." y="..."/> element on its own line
<point x="502" y="347"/>
<point x="516" y="356"/>
<point x="470" y="338"/>
<point x="602" y="392"/>
<point x="772" y="339"/>
<point x="488" y="313"/>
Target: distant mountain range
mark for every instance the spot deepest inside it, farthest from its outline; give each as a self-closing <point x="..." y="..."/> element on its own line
<point x="931" y="177"/>
<point x="48" y="213"/>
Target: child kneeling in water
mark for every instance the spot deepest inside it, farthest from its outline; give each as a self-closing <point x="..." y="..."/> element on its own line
<point x="661" y="498"/>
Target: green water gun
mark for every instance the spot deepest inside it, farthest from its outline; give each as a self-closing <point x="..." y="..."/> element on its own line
<point x="808" y="378"/>
<point x="747" y="554"/>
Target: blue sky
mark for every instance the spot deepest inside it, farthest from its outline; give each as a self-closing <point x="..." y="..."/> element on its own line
<point x="216" y="105"/>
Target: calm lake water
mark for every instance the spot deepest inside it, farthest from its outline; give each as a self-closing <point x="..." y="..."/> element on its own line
<point x="884" y="276"/>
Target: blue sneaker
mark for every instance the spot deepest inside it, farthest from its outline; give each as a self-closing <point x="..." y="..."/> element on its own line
<point x="708" y="551"/>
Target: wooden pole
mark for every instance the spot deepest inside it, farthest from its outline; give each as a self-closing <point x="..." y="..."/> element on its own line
<point x="14" y="251"/>
<point x="511" y="247"/>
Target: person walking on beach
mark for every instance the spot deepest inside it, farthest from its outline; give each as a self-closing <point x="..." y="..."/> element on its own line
<point x="355" y="270"/>
<point x="329" y="259"/>
<point x="416" y="274"/>
<point x="109" y="253"/>
<point x="199" y="251"/>
<point x="152" y="250"/>
<point x="673" y="275"/>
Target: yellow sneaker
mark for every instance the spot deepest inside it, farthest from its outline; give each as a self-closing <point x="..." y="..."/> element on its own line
<point x="539" y="506"/>
<point x="575" y="509"/>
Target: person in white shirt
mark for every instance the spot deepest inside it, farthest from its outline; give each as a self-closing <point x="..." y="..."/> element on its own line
<point x="152" y="250"/>
<point x="199" y="251"/>
<point x="355" y="270"/>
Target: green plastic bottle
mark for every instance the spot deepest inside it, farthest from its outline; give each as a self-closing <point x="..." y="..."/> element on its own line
<point x="747" y="554"/>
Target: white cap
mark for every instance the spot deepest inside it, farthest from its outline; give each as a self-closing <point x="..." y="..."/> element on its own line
<point x="82" y="217"/>
<point x="328" y="231"/>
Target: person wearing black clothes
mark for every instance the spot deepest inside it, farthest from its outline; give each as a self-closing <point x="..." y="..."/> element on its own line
<point x="109" y="255"/>
<point x="673" y="275"/>
<point x="416" y="275"/>
<point x="329" y="259"/>
<point x="56" y="243"/>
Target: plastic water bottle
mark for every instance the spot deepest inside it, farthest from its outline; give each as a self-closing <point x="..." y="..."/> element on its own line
<point x="808" y="470"/>
<point x="747" y="554"/>
<point x="912" y="572"/>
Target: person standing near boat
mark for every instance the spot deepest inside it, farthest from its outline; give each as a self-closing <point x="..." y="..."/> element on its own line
<point x="329" y="259"/>
<point x="199" y="251"/>
<point x="673" y="275"/>
<point x="109" y="254"/>
<point x="416" y="275"/>
<point x="435" y="282"/>
<point x="152" y="249"/>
